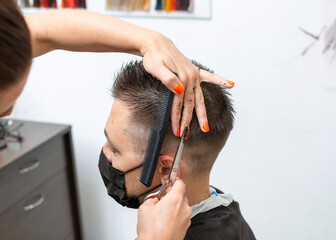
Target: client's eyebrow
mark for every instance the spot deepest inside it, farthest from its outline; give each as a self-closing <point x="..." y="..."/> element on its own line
<point x="109" y="141"/>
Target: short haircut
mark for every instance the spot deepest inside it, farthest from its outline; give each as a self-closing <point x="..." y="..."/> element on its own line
<point x="15" y="45"/>
<point x="140" y="91"/>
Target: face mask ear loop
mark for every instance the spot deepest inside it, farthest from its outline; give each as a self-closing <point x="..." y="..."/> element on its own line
<point x="149" y="190"/>
<point x="130" y="170"/>
<point x="136" y="197"/>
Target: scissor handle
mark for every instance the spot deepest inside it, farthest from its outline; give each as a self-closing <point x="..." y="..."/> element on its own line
<point x="158" y="194"/>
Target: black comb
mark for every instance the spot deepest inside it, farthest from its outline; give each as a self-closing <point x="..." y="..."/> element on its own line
<point x="156" y="136"/>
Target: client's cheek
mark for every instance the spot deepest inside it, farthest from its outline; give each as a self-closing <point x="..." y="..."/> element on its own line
<point x="132" y="184"/>
<point x="128" y="186"/>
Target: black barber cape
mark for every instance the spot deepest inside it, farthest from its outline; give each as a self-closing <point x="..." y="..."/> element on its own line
<point x="220" y="223"/>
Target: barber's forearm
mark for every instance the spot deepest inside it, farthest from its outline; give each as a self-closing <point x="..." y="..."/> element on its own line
<point x="76" y="30"/>
<point x="145" y="237"/>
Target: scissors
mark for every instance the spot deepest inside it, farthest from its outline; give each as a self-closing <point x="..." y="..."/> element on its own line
<point x="173" y="170"/>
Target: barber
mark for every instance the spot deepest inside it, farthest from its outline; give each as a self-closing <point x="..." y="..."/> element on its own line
<point x="22" y="39"/>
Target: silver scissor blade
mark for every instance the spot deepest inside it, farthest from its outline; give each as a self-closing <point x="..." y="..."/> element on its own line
<point x="176" y="163"/>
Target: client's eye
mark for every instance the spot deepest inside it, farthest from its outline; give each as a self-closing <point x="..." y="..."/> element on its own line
<point x="110" y="148"/>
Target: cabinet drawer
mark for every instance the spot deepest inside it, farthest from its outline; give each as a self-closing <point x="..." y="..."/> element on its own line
<point x="44" y="213"/>
<point x="28" y="172"/>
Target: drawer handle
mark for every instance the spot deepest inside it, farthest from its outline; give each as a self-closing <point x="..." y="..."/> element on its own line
<point x="35" y="204"/>
<point x="34" y="165"/>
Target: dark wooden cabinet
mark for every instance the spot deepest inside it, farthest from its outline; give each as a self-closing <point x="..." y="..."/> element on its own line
<point x="38" y="196"/>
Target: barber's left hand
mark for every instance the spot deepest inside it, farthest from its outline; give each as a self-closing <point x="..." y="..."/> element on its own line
<point x="161" y="59"/>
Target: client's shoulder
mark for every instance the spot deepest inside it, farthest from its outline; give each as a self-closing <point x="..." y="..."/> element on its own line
<point x="221" y="222"/>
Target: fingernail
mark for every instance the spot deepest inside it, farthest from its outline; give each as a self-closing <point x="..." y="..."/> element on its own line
<point x="206" y="127"/>
<point x="179" y="89"/>
<point x="178" y="133"/>
<point x="231" y="83"/>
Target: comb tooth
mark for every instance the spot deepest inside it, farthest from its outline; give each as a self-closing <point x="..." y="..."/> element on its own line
<point x="156" y="136"/>
<point x="159" y="120"/>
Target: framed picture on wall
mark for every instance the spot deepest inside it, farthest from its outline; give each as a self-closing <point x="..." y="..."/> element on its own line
<point x="188" y="9"/>
<point x="200" y="9"/>
<point x="50" y="4"/>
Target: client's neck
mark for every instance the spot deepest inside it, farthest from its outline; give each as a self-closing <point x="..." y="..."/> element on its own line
<point x="197" y="189"/>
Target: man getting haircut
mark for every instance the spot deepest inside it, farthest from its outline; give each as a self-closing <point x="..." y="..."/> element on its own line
<point x="215" y="215"/>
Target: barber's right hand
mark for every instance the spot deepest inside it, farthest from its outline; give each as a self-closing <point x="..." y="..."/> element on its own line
<point x="166" y="219"/>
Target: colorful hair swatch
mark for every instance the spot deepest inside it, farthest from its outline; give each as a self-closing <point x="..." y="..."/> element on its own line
<point x="73" y="4"/>
<point x="175" y="5"/>
<point x="128" y="5"/>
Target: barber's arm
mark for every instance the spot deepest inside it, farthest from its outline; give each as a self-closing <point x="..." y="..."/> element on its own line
<point x="166" y="219"/>
<point x="76" y="30"/>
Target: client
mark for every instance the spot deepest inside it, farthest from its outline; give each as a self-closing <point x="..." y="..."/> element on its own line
<point x="215" y="215"/>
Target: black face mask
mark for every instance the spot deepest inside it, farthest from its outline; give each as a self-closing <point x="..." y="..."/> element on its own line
<point x="114" y="181"/>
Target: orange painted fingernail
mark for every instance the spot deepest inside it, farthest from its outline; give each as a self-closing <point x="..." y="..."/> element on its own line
<point x="206" y="127"/>
<point x="178" y="133"/>
<point x="231" y="83"/>
<point x="179" y="89"/>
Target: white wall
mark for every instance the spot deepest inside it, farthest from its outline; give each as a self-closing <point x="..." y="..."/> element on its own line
<point x="280" y="159"/>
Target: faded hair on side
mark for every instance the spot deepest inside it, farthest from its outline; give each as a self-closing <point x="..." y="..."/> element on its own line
<point x="140" y="91"/>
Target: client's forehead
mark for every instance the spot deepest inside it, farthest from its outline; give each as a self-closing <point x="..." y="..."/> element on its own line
<point x="122" y="126"/>
<point x="119" y="114"/>
<point x="122" y="121"/>
<point x="116" y="125"/>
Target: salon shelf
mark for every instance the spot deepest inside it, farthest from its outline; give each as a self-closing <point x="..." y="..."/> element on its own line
<point x="30" y="11"/>
<point x="157" y="14"/>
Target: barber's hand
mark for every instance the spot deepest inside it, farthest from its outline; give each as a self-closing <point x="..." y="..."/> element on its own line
<point x="166" y="219"/>
<point x="161" y="59"/>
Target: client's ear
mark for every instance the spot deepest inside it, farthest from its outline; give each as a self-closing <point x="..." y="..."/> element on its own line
<point x="164" y="164"/>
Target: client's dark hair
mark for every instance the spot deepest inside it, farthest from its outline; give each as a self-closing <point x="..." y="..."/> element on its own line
<point x="141" y="93"/>
<point x="15" y="44"/>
